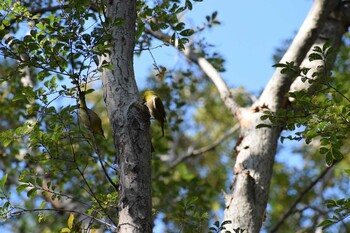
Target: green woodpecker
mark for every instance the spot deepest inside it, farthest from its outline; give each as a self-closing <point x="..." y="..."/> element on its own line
<point x="89" y="118"/>
<point x="155" y="106"/>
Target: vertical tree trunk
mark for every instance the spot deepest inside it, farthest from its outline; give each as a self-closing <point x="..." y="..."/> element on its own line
<point x="129" y="119"/>
<point x="246" y="203"/>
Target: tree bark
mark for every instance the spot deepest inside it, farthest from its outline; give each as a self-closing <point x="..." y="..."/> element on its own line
<point x="130" y="122"/>
<point x="246" y="203"/>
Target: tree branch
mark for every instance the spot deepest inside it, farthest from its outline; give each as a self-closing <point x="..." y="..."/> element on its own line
<point x="300" y="197"/>
<point x="57" y="7"/>
<point x="275" y="91"/>
<point x="97" y="150"/>
<point x="334" y="27"/>
<point x="22" y="211"/>
<point x="195" y="152"/>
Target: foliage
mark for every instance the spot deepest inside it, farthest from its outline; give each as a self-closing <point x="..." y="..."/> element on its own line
<point x="320" y="118"/>
<point x="54" y="164"/>
<point x="342" y="211"/>
<point x="221" y="228"/>
<point x="58" y="168"/>
<point x="323" y="114"/>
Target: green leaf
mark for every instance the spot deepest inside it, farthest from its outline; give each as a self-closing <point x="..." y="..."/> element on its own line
<point x="6" y="22"/>
<point x="189" y="4"/>
<point x="264" y="117"/>
<point x="282" y="139"/>
<point x="3" y="181"/>
<point x="331" y="203"/>
<point x="32" y="192"/>
<point x="6" y="206"/>
<point x="70" y="221"/>
<point x="329" y="159"/>
<point x="315" y="56"/>
<point x="173" y="38"/>
<point x="326" y="223"/>
<point x="183" y="41"/>
<point x="324" y="150"/>
<point x="347" y="171"/>
<point x="337" y="155"/>
<point x="65" y="230"/>
<point x="213" y="16"/>
<point x="279" y="65"/>
<point x="187" y="32"/>
<point x="154" y="26"/>
<point x="217" y="224"/>
<point x="326" y="45"/>
<point x="42" y="204"/>
<point x="263" y="126"/>
<point x="179" y="27"/>
<point x="21" y="187"/>
<point x="317" y="49"/>
<point x="39" y="181"/>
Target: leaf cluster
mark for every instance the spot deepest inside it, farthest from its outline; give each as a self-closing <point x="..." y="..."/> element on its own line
<point x="217" y="227"/>
<point x="165" y="17"/>
<point x="341" y="209"/>
<point x="323" y="114"/>
<point x="44" y="150"/>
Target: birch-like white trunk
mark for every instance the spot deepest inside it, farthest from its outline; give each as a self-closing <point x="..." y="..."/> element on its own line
<point x="247" y="200"/>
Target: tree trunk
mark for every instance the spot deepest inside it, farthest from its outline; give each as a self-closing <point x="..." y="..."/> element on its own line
<point x="246" y="203"/>
<point x="130" y="122"/>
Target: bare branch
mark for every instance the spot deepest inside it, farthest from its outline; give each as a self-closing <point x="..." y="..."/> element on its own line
<point x="215" y="76"/>
<point x="196" y="152"/>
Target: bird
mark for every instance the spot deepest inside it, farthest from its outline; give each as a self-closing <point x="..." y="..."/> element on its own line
<point x="155" y="107"/>
<point x="89" y="118"/>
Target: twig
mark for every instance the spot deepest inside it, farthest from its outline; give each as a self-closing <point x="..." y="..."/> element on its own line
<point x="91" y="192"/>
<point x="115" y="186"/>
<point x="22" y="211"/>
<point x="195" y="152"/>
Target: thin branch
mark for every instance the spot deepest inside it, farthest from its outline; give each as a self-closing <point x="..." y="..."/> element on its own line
<point x="300" y="197"/>
<point x="154" y="60"/>
<point x="58" y="7"/>
<point x="340" y="93"/>
<point x="91" y="192"/>
<point x="22" y="211"/>
<point x="97" y="150"/>
<point x="48" y="9"/>
<point x="196" y="152"/>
